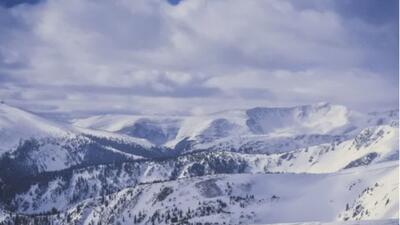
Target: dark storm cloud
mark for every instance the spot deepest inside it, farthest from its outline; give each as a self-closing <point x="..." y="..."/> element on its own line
<point x="13" y="3"/>
<point x="374" y="26"/>
<point x="371" y="11"/>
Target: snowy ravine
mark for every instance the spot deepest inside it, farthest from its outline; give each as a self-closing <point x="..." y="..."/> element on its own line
<point x="313" y="164"/>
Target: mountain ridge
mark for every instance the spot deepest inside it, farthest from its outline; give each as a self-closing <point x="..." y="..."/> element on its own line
<point x="72" y="175"/>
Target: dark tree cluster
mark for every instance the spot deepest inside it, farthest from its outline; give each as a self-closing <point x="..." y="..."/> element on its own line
<point x="242" y="201"/>
<point x="27" y="220"/>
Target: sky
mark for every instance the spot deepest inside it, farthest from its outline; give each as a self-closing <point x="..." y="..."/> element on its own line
<point x="84" y="57"/>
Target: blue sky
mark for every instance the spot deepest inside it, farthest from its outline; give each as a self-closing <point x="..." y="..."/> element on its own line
<point x="182" y="57"/>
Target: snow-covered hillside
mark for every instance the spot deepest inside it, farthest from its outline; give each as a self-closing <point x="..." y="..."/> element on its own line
<point x="31" y="145"/>
<point x="317" y="162"/>
<point x="156" y="129"/>
<point x="262" y="130"/>
<point x="16" y="124"/>
<point x="371" y="146"/>
<point x="363" y="222"/>
<point x="248" y="199"/>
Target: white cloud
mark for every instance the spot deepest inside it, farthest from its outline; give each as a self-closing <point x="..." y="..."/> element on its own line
<point x="143" y="55"/>
<point x="353" y="87"/>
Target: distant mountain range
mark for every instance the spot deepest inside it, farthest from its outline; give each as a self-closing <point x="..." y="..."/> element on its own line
<point x="317" y="162"/>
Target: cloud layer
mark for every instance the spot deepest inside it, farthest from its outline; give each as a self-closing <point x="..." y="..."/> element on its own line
<point x="147" y="56"/>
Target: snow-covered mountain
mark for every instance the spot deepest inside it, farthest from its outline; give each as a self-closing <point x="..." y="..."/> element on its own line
<point x="317" y="162"/>
<point x="17" y="125"/>
<point x="31" y="145"/>
<point x="156" y="129"/>
<point x="370" y="193"/>
<point x="260" y="130"/>
<point x="381" y="145"/>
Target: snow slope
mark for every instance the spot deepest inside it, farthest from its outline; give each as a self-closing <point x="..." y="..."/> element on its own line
<point x="370" y="147"/>
<point x="156" y="129"/>
<point x="248" y="199"/>
<point x="16" y="124"/>
<point x="30" y="144"/>
<point x="317" y="162"/>
<point x="264" y="130"/>
<point x="363" y="222"/>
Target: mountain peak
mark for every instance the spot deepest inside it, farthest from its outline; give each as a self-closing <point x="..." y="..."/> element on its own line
<point x="17" y="124"/>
